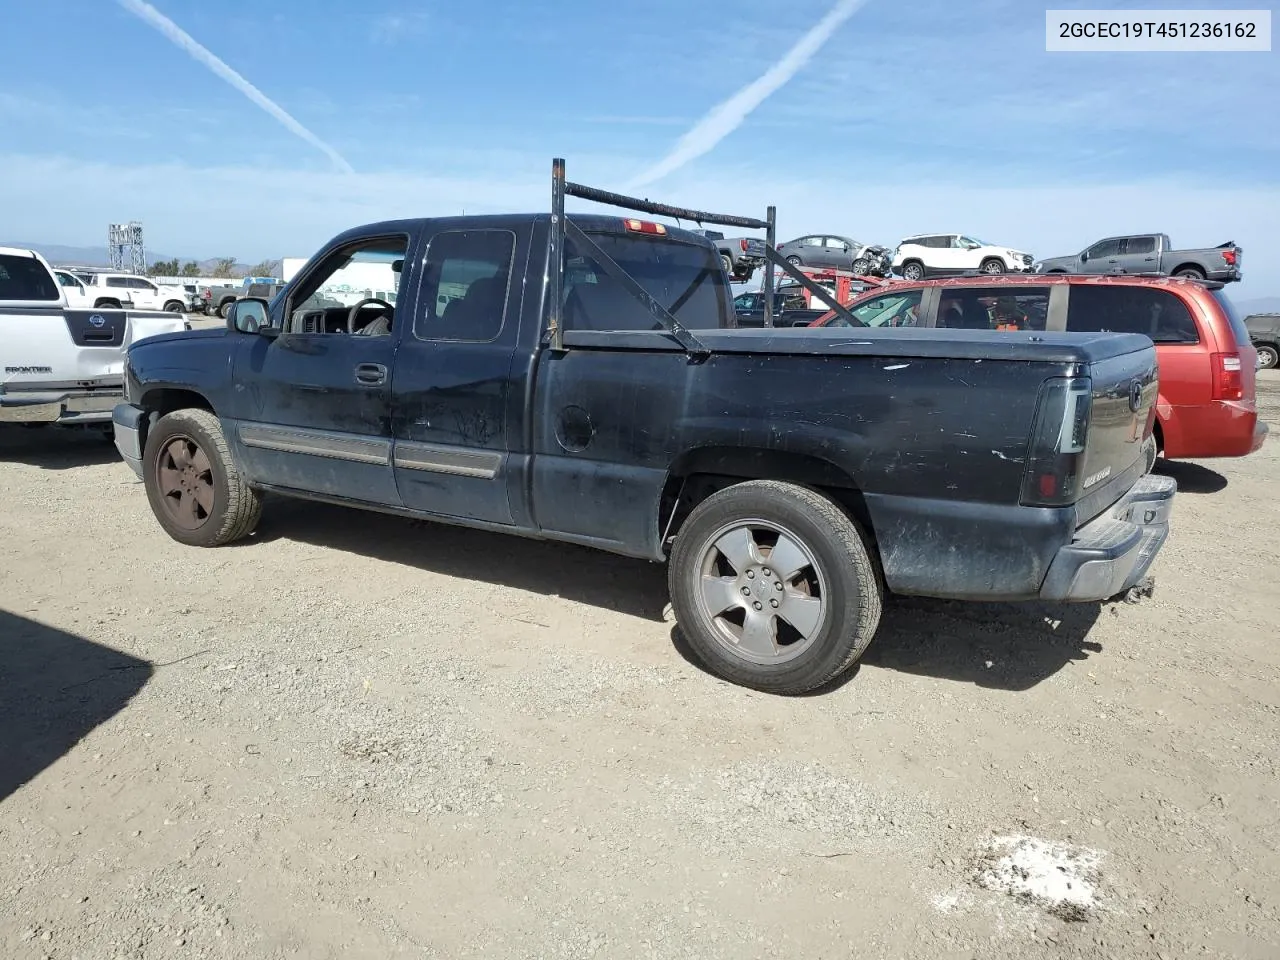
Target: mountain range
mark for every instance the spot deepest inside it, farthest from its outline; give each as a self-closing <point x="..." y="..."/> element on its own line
<point x="100" y="257"/>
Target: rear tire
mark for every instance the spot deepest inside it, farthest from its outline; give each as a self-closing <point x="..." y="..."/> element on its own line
<point x="1191" y="273"/>
<point x="107" y="305"/>
<point x="195" y="489"/>
<point x="224" y="308"/>
<point x="826" y="590"/>
<point x="795" y="261"/>
<point x="728" y="263"/>
<point x="1268" y="355"/>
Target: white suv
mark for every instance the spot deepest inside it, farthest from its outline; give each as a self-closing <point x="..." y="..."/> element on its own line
<point x="950" y="254"/>
<point x="128" y="290"/>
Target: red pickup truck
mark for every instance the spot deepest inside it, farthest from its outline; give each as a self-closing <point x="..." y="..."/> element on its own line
<point x="1207" y="402"/>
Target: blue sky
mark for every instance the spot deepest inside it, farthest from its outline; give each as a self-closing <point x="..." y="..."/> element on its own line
<point x="915" y="116"/>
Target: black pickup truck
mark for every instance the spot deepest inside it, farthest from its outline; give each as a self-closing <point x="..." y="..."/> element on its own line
<point x="580" y="379"/>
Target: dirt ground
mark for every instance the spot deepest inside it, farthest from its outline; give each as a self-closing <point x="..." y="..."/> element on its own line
<point x="362" y="737"/>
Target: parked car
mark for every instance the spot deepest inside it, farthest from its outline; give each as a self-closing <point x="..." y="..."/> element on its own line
<point x="950" y="254"/>
<point x="116" y="290"/>
<point x="62" y="362"/>
<point x="790" y="309"/>
<point x="1150" y="253"/>
<point x="218" y="299"/>
<point x="740" y="255"/>
<point x="1264" y="332"/>
<point x="787" y="479"/>
<point x="75" y="290"/>
<point x="823" y="250"/>
<point x="1207" y="405"/>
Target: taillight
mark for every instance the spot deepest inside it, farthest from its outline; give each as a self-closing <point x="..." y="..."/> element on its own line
<point x="1229" y="256"/>
<point x="645" y="226"/>
<point x="1058" y="440"/>
<point x="743" y="241"/>
<point x="1227" y="382"/>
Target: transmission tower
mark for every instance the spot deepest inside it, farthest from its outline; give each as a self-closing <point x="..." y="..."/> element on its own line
<point x="124" y="240"/>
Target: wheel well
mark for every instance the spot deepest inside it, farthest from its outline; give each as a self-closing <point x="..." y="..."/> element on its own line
<point x="168" y="399"/>
<point x="1189" y="266"/>
<point x="1158" y="432"/>
<point x="990" y="257"/>
<point x="103" y="301"/>
<point x="700" y="472"/>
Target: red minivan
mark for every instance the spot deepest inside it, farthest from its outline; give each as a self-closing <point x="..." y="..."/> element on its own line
<point x="1207" y="404"/>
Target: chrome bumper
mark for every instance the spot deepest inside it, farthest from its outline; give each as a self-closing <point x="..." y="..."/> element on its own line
<point x="1113" y="552"/>
<point x="126" y="423"/>
<point x="58" y="406"/>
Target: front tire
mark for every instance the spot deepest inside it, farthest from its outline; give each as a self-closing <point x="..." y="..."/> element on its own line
<point x="195" y="489"/>
<point x="773" y="587"/>
<point x="913" y="270"/>
<point x="862" y="266"/>
<point x="1268" y="356"/>
<point x="173" y="306"/>
<point x="993" y="266"/>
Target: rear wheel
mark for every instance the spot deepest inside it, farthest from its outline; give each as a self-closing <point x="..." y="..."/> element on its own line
<point x="773" y="587"/>
<point x="1268" y="356"/>
<point x="794" y="260"/>
<point x="195" y="490"/>
<point x="728" y="263"/>
<point x="224" y="308"/>
<point x="1191" y="273"/>
<point x="107" y="305"/>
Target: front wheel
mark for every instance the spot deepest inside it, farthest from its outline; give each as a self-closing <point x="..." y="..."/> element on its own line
<point x="773" y="587"/>
<point x="913" y="270"/>
<point x="861" y="266"/>
<point x="992" y="266"/>
<point x="173" y="306"/>
<point x="1268" y="356"/>
<point x="195" y="490"/>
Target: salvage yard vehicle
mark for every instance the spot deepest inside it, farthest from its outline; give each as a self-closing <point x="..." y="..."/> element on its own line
<point x="577" y="378"/>
<point x="62" y="364"/>
<point x="740" y="255"/>
<point x="951" y="254"/>
<point x="1264" y="333"/>
<point x="1151" y="253"/>
<point x="113" y="291"/>
<point x="1207" y="401"/>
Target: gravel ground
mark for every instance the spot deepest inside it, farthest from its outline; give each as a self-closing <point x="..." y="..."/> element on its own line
<point x="362" y="737"/>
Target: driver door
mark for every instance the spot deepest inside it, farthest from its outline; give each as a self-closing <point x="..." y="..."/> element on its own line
<point x="314" y="402"/>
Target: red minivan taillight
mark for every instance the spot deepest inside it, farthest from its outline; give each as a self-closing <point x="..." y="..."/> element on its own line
<point x="1227" y="381"/>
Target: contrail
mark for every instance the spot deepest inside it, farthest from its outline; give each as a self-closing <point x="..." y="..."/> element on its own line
<point x="728" y="116"/>
<point x="181" y="38"/>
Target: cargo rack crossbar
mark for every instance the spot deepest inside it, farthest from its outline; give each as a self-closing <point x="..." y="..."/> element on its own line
<point x="562" y="229"/>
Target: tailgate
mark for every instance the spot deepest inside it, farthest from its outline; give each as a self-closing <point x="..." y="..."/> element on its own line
<point x="1122" y="413"/>
<point x="71" y="346"/>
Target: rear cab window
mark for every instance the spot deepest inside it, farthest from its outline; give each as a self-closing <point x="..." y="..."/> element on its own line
<point x="688" y="279"/>
<point x="1114" y="308"/>
<point x="24" y="278"/>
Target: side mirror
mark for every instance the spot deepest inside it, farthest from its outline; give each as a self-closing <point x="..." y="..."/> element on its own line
<point x="248" y="315"/>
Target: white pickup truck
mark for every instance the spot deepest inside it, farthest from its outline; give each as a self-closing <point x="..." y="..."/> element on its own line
<point x="61" y="363"/>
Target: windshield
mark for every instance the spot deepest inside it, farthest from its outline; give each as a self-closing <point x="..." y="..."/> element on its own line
<point x="24" y="278"/>
<point x="685" y="278"/>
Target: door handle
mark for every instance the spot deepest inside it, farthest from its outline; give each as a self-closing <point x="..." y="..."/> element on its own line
<point x="1149" y="260"/>
<point x="371" y="373"/>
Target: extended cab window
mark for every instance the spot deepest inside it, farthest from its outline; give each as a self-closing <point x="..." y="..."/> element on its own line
<point x="1140" y="245"/>
<point x="1113" y="308"/>
<point x="323" y="300"/>
<point x="685" y="278"/>
<point x="464" y="290"/>
<point x="994" y="308"/>
<point x="23" y="278"/>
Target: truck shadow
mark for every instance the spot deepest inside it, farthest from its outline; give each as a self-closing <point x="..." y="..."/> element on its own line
<point x="1024" y="643"/>
<point x="1191" y="477"/>
<point x="1005" y="646"/>
<point x="55" y="448"/>
<point x="593" y="577"/>
<point x="55" y="687"/>
<point x="1002" y="646"/>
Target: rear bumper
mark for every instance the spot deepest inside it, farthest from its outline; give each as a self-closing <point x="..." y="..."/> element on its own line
<point x="59" y="405"/>
<point x="126" y="422"/>
<point x="1219" y="428"/>
<point x="1111" y="553"/>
